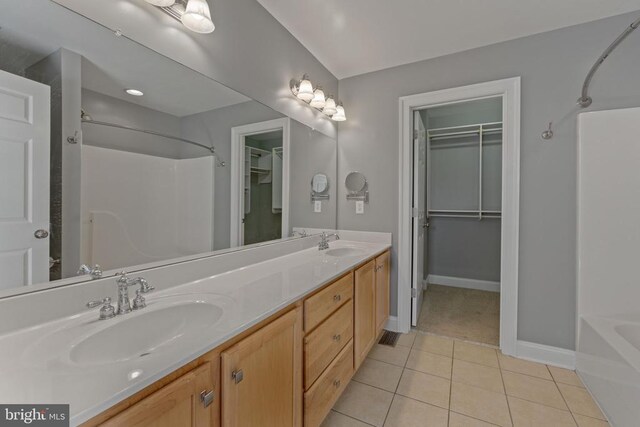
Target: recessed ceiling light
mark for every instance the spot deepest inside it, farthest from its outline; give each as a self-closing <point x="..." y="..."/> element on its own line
<point x="134" y="92"/>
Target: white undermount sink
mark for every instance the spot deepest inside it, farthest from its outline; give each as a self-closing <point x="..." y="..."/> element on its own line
<point x="344" y="252"/>
<point x="141" y="333"/>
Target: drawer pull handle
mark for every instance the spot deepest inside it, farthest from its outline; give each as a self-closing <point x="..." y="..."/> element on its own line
<point x="237" y="376"/>
<point x="336" y="383"/>
<point x="206" y="397"/>
<point x="337" y="297"/>
<point x="337" y="337"/>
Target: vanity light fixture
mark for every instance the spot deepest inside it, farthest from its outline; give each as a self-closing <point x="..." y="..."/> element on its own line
<point x="339" y="116"/>
<point x="318" y="100"/>
<point x="161" y="3"/>
<point x="134" y="92"/>
<point x="330" y="106"/>
<point x="193" y="14"/>
<point x="304" y="91"/>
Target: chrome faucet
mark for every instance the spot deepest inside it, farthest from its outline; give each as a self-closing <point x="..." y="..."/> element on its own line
<point x="324" y="242"/>
<point x="124" y="305"/>
<point x="95" y="272"/>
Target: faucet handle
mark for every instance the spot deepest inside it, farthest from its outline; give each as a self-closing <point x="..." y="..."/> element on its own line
<point x="107" y="311"/>
<point x="145" y="287"/>
<point x="139" y="301"/>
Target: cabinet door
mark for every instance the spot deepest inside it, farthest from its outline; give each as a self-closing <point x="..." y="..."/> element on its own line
<point x="382" y="290"/>
<point x="262" y="376"/>
<point x="178" y="404"/>
<point x="364" y="311"/>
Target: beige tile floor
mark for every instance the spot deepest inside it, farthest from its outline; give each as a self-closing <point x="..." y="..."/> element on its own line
<point x="428" y="380"/>
<point x="466" y="314"/>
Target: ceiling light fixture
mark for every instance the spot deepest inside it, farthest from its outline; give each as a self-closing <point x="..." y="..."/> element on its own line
<point x="303" y="90"/>
<point x="134" y="92"/>
<point x="193" y="14"/>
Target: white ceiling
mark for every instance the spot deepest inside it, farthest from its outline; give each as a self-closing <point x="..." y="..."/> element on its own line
<point x="352" y="37"/>
<point x="110" y="64"/>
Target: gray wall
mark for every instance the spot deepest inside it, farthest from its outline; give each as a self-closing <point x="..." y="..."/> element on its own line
<point x="215" y="127"/>
<point x="249" y="51"/>
<point x="311" y="153"/>
<point x="552" y="66"/>
<point x="113" y="110"/>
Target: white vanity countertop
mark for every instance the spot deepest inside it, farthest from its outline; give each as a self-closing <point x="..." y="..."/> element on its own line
<point x="39" y="364"/>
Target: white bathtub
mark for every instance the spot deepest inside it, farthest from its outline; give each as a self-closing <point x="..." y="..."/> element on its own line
<point x="608" y="361"/>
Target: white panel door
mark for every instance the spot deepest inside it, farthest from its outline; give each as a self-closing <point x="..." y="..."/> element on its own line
<point x="419" y="222"/>
<point x="24" y="181"/>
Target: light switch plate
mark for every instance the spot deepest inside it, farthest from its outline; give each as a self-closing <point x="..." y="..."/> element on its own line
<point x="360" y="207"/>
<point x="317" y="206"/>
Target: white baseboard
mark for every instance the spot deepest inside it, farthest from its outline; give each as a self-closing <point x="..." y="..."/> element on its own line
<point x="460" y="282"/>
<point x="392" y="324"/>
<point x="546" y="354"/>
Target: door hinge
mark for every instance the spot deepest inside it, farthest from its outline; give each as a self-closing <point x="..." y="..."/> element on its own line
<point x="414" y="212"/>
<point x="414" y="293"/>
<point x="415" y="134"/>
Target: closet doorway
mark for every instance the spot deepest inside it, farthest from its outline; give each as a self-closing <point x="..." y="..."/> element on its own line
<point x="458" y="216"/>
<point x="259" y="182"/>
<point x="459" y="175"/>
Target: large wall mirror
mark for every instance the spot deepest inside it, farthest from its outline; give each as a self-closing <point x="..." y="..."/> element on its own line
<point x="115" y="155"/>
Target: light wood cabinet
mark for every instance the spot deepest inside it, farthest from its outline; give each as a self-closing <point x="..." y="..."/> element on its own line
<point x="319" y="306"/>
<point x="382" y="271"/>
<point x="364" y="311"/>
<point x="177" y="404"/>
<point x="323" y="344"/>
<point x="262" y="376"/>
<point x="266" y="374"/>
<point x="321" y="397"/>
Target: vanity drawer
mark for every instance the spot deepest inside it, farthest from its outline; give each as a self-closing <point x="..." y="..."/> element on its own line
<point x="321" y="305"/>
<point x="323" y="344"/>
<point x="320" y="398"/>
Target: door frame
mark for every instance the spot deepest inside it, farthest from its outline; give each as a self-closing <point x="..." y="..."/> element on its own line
<point x="238" y="134"/>
<point x="509" y="90"/>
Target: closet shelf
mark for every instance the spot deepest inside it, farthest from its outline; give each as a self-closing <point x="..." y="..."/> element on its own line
<point x="463" y="213"/>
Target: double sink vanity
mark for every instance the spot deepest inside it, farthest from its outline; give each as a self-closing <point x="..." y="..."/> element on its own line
<point x="273" y="342"/>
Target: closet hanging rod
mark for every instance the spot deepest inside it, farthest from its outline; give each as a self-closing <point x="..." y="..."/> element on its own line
<point x="477" y="125"/>
<point x="489" y="216"/>
<point x="464" y="133"/>
<point x="149" y="132"/>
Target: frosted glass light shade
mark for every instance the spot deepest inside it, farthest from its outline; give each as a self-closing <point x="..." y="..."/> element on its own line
<point x="305" y="90"/>
<point x="161" y="3"/>
<point x="339" y="116"/>
<point x="330" y="106"/>
<point x="318" y="100"/>
<point x="197" y="17"/>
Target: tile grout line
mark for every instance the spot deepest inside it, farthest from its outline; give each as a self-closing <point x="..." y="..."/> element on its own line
<point x="506" y="396"/>
<point x="453" y="352"/>
<point x="562" y="395"/>
<point x="350" y="417"/>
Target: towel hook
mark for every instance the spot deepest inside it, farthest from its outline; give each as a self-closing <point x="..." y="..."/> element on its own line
<point x="548" y="134"/>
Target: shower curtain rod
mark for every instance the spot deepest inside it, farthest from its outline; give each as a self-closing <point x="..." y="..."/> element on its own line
<point x="149" y="132"/>
<point x="585" y="100"/>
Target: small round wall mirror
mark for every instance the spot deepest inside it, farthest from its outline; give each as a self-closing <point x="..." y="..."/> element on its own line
<point x="355" y="182"/>
<point x="319" y="183"/>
